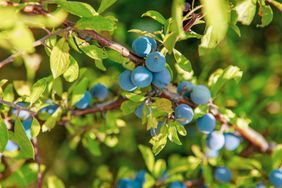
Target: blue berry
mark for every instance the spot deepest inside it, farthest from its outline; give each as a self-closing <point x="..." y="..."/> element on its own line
<point x="184" y="114"/>
<point x="185" y="88"/>
<point x="223" y="174"/>
<point x="127" y="183"/>
<point x="200" y="94"/>
<point x="215" y="140"/>
<point x="153" y="42"/>
<point x="50" y="109"/>
<point x="260" y="185"/>
<point x="141" y="77"/>
<point x="155" y="62"/>
<point x="211" y="153"/>
<point x="231" y="141"/>
<point x="142" y="46"/>
<point x="84" y="101"/>
<point x="177" y="184"/>
<point x="275" y="178"/>
<point x="27" y="126"/>
<point x="161" y="79"/>
<point x="125" y="81"/>
<point x="206" y="123"/>
<point x="139" y="110"/>
<point x="11" y="146"/>
<point x="140" y="177"/>
<point x="22" y="114"/>
<point x="99" y="91"/>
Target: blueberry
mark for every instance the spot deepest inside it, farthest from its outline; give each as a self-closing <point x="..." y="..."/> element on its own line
<point x="200" y="94"/>
<point x="260" y="185"/>
<point x="84" y="101"/>
<point x="142" y="46"/>
<point x="185" y="88"/>
<point x="99" y="91"/>
<point x="141" y="77"/>
<point x="211" y="153"/>
<point x="140" y="177"/>
<point x="27" y="125"/>
<point x="22" y="114"/>
<point x="50" y="109"/>
<point x="125" y="81"/>
<point x="223" y="174"/>
<point x="275" y="178"/>
<point x="161" y="79"/>
<point x="11" y="146"/>
<point x="231" y="141"/>
<point x="139" y="110"/>
<point x="155" y="62"/>
<point x="215" y="140"/>
<point x="206" y="123"/>
<point x="177" y="184"/>
<point x="153" y="42"/>
<point x="184" y="114"/>
<point x="127" y="183"/>
<point x="156" y="131"/>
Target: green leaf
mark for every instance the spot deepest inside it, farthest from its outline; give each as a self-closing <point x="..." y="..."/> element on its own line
<point x="77" y="8"/>
<point x="78" y="91"/>
<point x="155" y="15"/>
<point x="89" y="142"/>
<point x="159" y="168"/>
<point x="54" y="182"/>
<point x="182" y="62"/>
<point x="19" y="136"/>
<point x="152" y="122"/>
<point x="59" y="58"/>
<point x="217" y="19"/>
<point x="8" y="17"/>
<point x="3" y="135"/>
<point x="38" y="89"/>
<point x="51" y="121"/>
<point x="35" y="128"/>
<point x="98" y="23"/>
<point x="128" y="107"/>
<point x="276" y="156"/>
<point x="159" y="141"/>
<point x="221" y="77"/>
<point x="266" y="15"/>
<point x="170" y="41"/>
<point x="246" y="10"/>
<point x="105" y="4"/>
<point x="180" y="128"/>
<point x="23" y="177"/>
<point x="72" y="72"/>
<point x="94" y="52"/>
<point x="162" y="105"/>
<point x="100" y="65"/>
<point x="207" y="173"/>
<point x="172" y="134"/>
<point x="134" y="97"/>
<point x="148" y="157"/>
<point x="8" y="94"/>
<point x="21" y="39"/>
<point x="241" y="163"/>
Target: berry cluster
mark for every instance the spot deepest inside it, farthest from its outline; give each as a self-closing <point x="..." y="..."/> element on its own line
<point x="154" y="72"/>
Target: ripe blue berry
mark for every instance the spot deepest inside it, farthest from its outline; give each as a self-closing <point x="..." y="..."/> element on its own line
<point x="84" y="101"/>
<point x="231" y="141"/>
<point x="211" y="153"/>
<point x="184" y="114"/>
<point x="141" y="77"/>
<point x="99" y="91"/>
<point x="275" y="178"/>
<point x="142" y="46"/>
<point x="161" y="79"/>
<point x="200" y="94"/>
<point x="27" y="125"/>
<point x="125" y="81"/>
<point x="223" y="174"/>
<point x="153" y="42"/>
<point x="155" y="62"/>
<point x="215" y="140"/>
<point x="50" y="109"/>
<point x="177" y="184"/>
<point x="11" y="146"/>
<point x="185" y="88"/>
<point x="127" y="183"/>
<point x="140" y="177"/>
<point x="206" y="123"/>
<point x="260" y="185"/>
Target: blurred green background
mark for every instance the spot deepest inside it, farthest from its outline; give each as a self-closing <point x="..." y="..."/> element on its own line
<point x="258" y="52"/>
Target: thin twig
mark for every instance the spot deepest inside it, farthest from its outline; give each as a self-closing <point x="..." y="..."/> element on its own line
<point x="37" y="159"/>
<point x="18" y="107"/>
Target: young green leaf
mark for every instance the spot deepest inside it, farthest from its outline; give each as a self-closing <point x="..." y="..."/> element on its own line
<point x="77" y="8"/>
<point x="89" y="142"/>
<point x="3" y="135"/>
<point x="266" y="15"/>
<point x="38" y="89"/>
<point x="59" y="58"/>
<point x="78" y="91"/>
<point x="35" y="128"/>
<point x="98" y="23"/>
<point x="148" y="157"/>
<point x="155" y="15"/>
<point x="159" y="168"/>
<point x="128" y="107"/>
<point x="172" y="134"/>
<point x="94" y="52"/>
<point x="105" y="4"/>
<point x="51" y="121"/>
<point x="246" y="10"/>
<point x="72" y="72"/>
<point x="182" y="62"/>
<point x="170" y="41"/>
<point x="54" y="182"/>
<point x="162" y="105"/>
<point x="8" y="94"/>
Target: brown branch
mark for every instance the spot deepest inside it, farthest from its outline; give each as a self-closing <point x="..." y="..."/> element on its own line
<point x="37" y="159"/>
<point x="18" y="107"/>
